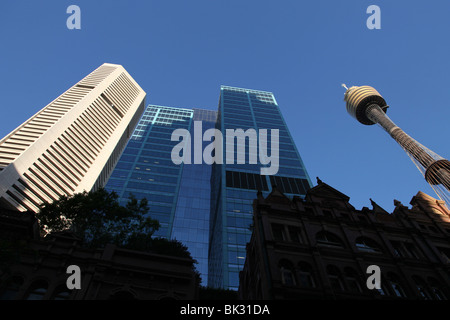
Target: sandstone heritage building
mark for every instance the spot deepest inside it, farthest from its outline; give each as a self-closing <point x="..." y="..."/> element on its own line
<point x="321" y="247"/>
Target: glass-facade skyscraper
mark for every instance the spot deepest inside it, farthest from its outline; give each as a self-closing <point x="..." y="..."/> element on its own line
<point x="234" y="186"/>
<point x="209" y="207"/>
<point x="178" y="195"/>
<point x="191" y="221"/>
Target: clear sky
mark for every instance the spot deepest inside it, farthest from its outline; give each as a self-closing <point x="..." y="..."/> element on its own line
<point x="180" y="52"/>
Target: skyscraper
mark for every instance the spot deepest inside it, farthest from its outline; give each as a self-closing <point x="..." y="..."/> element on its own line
<point x="208" y="207"/>
<point x="191" y="221"/>
<point x="234" y="186"/>
<point x="178" y="195"/>
<point x="73" y="143"/>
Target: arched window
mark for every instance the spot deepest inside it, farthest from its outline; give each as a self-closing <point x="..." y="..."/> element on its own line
<point x="287" y="273"/>
<point x="329" y="239"/>
<point x="306" y="278"/>
<point x="421" y="288"/>
<point x="367" y="245"/>
<point x="37" y="290"/>
<point x="396" y="285"/>
<point x="12" y="287"/>
<point x="335" y="278"/>
<point x="383" y="291"/>
<point x="353" y="280"/>
<point x="436" y="289"/>
<point x="61" y="293"/>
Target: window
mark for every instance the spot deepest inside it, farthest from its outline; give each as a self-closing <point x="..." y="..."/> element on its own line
<point x="278" y="232"/>
<point x="367" y="245"/>
<point x="421" y="288"/>
<point x="290" y="185"/>
<point x="396" y="285"/>
<point x="412" y="251"/>
<point x="383" y="290"/>
<point x="353" y="280"/>
<point x="295" y="234"/>
<point x="398" y="289"/>
<point x="287" y="274"/>
<point x="398" y="249"/>
<point x="405" y="250"/>
<point x="61" y="293"/>
<point x="306" y="278"/>
<point x="287" y="277"/>
<point x="244" y="180"/>
<point x="445" y="252"/>
<point x="325" y="238"/>
<point x="438" y="293"/>
<point x="37" y="290"/>
<point x="436" y="289"/>
<point x="335" y="278"/>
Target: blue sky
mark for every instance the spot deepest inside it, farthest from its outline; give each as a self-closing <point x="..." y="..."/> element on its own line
<point x="180" y="52"/>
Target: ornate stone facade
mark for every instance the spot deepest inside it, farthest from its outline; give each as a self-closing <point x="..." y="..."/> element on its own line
<point x="321" y="247"/>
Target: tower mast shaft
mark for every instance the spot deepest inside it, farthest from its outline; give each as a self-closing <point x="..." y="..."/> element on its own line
<point x="377" y="115"/>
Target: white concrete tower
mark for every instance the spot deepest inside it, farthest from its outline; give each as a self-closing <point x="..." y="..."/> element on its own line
<point x="73" y="143"/>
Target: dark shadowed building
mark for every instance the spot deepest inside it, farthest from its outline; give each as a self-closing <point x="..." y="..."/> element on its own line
<point x="35" y="269"/>
<point x="321" y="247"/>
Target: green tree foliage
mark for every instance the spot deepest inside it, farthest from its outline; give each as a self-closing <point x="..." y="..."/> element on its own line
<point x="139" y="241"/>
<point x="97" y="218"/>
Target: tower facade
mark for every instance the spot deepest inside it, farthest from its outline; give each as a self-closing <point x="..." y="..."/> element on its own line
<point x="321" y="247"/>
<point x="234" y="185"/>
<point x="208" y="207"/>
<point x="178" y="194"/>
<point x="73" y="143"/>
